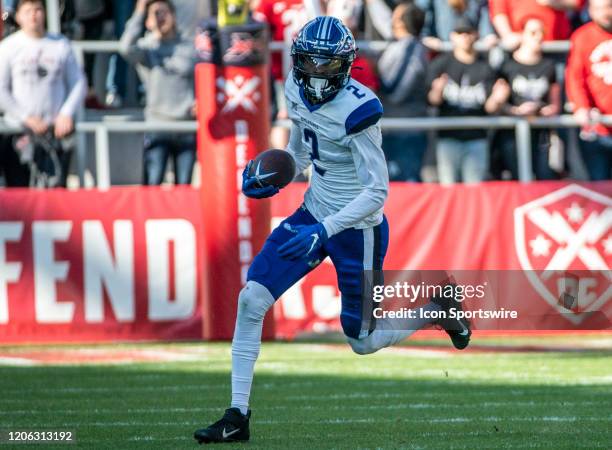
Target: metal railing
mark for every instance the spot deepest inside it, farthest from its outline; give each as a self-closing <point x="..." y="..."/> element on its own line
<point x="101" y="130"/>
<point x="522" y="128"/>
<point x="367" y="46"/>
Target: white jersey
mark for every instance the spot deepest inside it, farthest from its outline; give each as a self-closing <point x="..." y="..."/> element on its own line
<point x="342" y="139"/>
<point x="39" y="77"/>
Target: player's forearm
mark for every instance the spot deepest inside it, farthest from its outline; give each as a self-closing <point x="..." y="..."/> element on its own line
<point x="371" y="169"/>
<point x="295" y="149"/>
<point x="365" y="204"/>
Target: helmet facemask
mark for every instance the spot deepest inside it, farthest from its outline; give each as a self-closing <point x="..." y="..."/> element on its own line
<point x="321" y="76"/>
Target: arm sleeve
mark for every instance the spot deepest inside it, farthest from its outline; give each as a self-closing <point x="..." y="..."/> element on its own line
<point x="75" y="83"/>
<point x="182" y="61"/>
<point x="381" y="17"/>
<point x="576" y="76"/>
<point x="7" y="101"/>
<point x="296" y="149"/>
<point x="128" y="44"/>
<point x="371" y="167"/>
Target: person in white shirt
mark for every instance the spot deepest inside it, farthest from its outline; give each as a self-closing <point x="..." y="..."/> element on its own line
<point x="41" y="85"/>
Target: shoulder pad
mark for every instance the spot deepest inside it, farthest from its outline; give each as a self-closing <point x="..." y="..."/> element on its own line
<point x="365" y="115"/>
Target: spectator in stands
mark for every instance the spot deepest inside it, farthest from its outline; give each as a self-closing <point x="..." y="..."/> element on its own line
<point x="402" y="73"/>
<point x="463" y="84"/>
<point x="589" y="87"/>
<point x="91" y="14"/>
<point x="441" y="15"/>
<point x="508" y="17"/>
<point x="41" y="88"/>
<point x="116" y="78"/>
<point x="165" y="62"/>
<point x="285" y="18"/>
<point x="189" y="13"/>
<point x="534" y="92"/>
<point x="349" y="12"/>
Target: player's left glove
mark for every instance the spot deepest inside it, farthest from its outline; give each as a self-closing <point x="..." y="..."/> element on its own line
<point x="307" y="240"/>
<point x="251" y="186"/>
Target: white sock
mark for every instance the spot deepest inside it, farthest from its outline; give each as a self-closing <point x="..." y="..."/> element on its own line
<point x="391" y="331"/>
<point x="253" y="303"/>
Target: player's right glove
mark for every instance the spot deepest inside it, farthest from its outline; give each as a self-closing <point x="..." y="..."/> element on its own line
<point x="251" y="186"/>
<point x="307" y="240"/>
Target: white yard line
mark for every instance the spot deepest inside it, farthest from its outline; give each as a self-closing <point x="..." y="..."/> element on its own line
<point x="338" y="421"/>
<point x="16" y="361"/>
<point x="58" y="411"/>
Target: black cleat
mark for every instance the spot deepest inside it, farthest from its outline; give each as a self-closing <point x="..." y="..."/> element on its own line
<point x="233" y="427"/>
<point x="458" y="329"/>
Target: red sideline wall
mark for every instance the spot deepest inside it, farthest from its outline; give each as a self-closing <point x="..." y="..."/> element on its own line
<point x="126" y="264"/>
<point x="484" y="227"/>
<point x="90" y="266"/>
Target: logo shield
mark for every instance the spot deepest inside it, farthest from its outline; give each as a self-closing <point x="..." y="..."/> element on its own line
<point x="563" y="234"/>
<point x="238" y="92"/>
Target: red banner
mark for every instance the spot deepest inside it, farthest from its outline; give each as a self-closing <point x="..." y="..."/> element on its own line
<point x="493" y="226"/>
<point x="87" y="265"/>
<point x="126" y="264"/>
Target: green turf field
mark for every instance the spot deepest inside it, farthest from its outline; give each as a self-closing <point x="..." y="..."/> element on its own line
<point x="311" y="396"/>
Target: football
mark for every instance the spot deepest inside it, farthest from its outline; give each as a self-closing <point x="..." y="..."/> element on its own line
<point x="273" y="167"/>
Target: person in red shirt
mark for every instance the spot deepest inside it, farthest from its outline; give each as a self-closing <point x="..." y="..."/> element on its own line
<point x="589" y="87"/>
<point x="508" y="16"/>
<point x="285" y="18"/>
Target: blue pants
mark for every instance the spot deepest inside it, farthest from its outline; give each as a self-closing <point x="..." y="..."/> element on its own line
<point x="597" y="156"/>
<point x="505" y="141"/>
<point x="352" y="251"/>
<point x="404" y="153"/>
<point x="116" y="77"/>
<point x="159" y="147"/>
<point x="462" y="161"/>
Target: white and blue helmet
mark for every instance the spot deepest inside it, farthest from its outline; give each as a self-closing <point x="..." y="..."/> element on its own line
<point x="322" y="53"/>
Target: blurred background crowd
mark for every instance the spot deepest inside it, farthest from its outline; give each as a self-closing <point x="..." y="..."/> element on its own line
<point x="436" y="58"/>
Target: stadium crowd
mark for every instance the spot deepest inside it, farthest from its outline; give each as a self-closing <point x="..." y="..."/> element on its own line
<point x="497" y="66"/>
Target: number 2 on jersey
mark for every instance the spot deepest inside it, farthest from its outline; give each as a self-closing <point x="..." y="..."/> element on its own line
<point x="311" y="138"/>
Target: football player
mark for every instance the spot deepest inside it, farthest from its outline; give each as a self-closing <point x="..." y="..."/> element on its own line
<point x="335" y="128"/>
